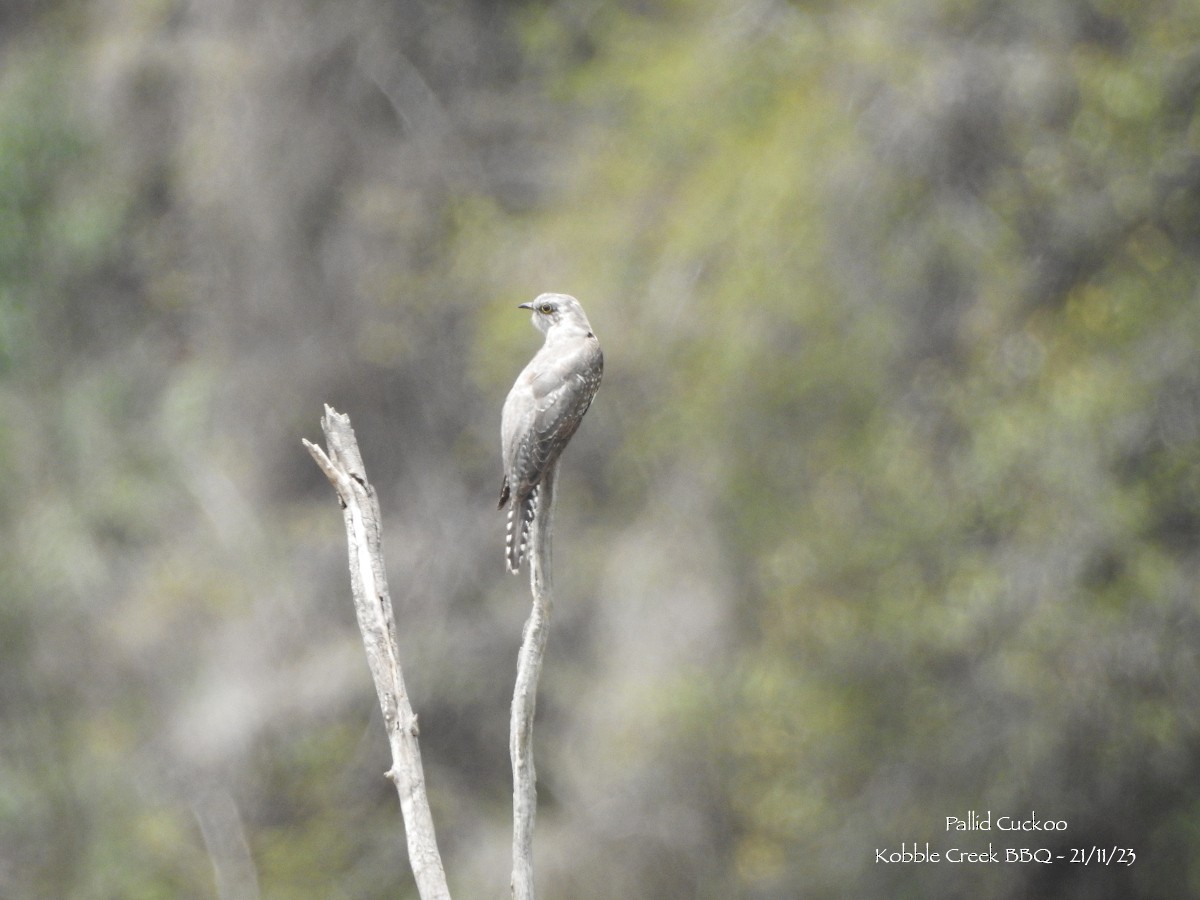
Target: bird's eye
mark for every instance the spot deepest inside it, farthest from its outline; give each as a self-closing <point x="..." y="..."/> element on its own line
<point x="546" y="308"/>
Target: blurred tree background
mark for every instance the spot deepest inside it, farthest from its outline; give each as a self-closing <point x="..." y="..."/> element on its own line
<point x="889" y="508"/>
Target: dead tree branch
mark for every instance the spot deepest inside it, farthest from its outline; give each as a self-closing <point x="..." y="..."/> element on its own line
<point x="343" y="466"/>
<point x="529" y="668"/>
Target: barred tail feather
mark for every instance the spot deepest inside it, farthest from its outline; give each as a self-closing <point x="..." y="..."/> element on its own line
<point x="520" y="524"/>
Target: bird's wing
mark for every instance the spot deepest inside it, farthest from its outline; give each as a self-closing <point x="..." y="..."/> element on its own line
<point x="562" y="391"/>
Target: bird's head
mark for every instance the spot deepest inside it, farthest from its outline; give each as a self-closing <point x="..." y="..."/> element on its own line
<point x="550" y="310"/>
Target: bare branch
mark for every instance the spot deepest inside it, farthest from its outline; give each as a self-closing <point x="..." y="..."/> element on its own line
<point x="224" y="837"/>
<point x="343" y="466"/>
<point x="529" y="668"/>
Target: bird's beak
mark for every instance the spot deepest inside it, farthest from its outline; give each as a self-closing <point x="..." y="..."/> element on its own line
<point x="525" y="306"/>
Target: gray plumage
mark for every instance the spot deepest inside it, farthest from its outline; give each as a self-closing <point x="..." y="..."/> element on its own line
<point x="544" y="409"/>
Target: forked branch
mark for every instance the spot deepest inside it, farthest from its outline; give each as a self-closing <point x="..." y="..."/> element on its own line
<point x="343" y="466"/>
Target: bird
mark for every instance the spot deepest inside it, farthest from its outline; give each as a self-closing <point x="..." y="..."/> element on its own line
<point x="543" y="411"/>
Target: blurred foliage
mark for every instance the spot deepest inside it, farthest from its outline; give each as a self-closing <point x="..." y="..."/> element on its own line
<point x="888" y="510"/>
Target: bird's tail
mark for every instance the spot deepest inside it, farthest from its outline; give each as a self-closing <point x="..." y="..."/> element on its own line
<point x="520" y="522"/>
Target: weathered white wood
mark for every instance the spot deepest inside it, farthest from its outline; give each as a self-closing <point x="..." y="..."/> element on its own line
<point x="343" y="466"/>
<point x="529" y="668"/>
